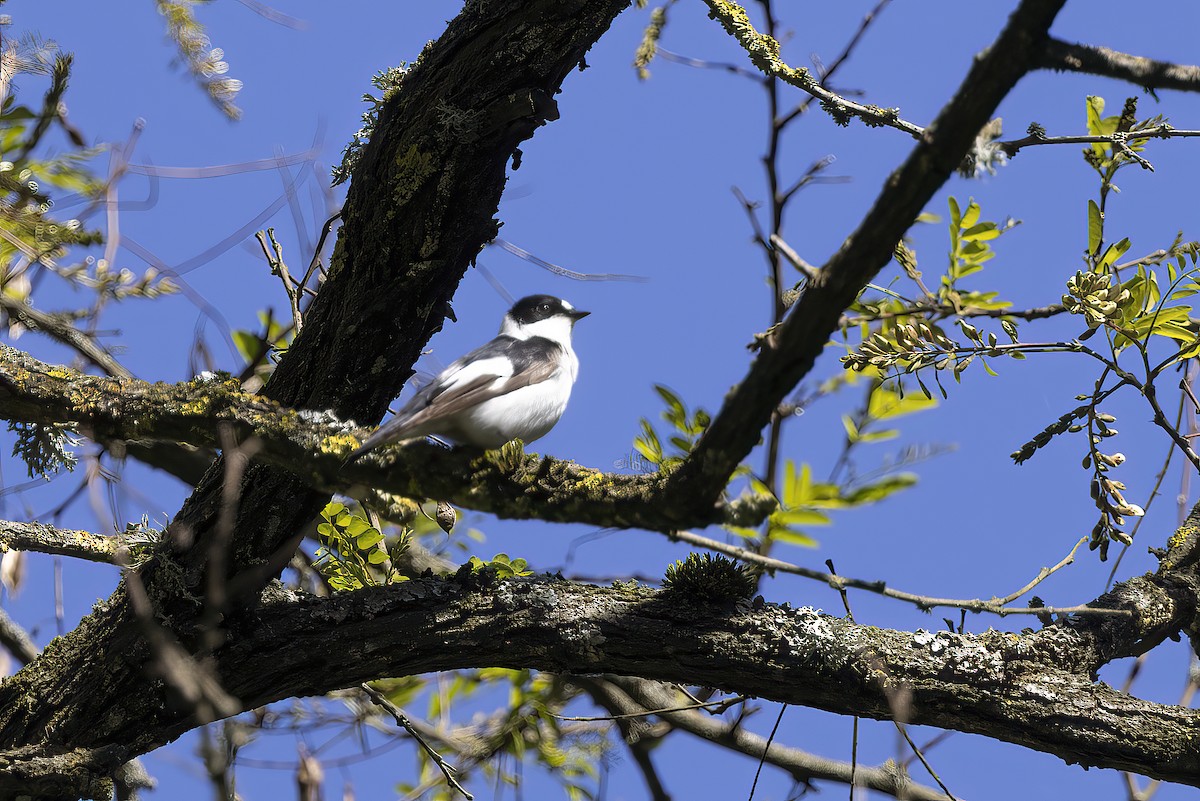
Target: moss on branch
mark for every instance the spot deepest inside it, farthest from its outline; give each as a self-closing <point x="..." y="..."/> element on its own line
<point x="313" y="445"/>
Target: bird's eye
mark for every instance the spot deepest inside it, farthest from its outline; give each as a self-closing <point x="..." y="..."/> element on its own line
<point x="544" y="307"/>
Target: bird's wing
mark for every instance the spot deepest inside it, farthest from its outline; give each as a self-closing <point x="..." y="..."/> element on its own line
<point x="484" y="373"/>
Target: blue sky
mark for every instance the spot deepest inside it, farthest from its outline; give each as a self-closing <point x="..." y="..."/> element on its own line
<point x="635" y="178"/>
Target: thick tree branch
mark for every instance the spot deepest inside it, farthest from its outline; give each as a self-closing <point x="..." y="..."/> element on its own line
<point x="313" y="447"/>
<point x="1147" y="73"/>
<point x="420" y="207"/>
<point x="1034" y="689"/>
<point x="790" y="354"/>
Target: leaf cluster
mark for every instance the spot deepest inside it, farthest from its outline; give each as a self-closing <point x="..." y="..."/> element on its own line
<point x="353" y="553"/>
<point x="688" y="427"/>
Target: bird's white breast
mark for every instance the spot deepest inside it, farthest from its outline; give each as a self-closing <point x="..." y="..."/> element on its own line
<point x="529" y="412"/>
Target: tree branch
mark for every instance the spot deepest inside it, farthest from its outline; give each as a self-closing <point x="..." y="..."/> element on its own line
<point x="42" y="538"/>
<point x="313" y="447"/>
<point x="801" y="765"/>
<point x="1033" y="689"/>
<point x="61" y="330"/>
<point x="1147" y="73"/>
<point x="764" y="52"/>
<point x="790" y="353"/>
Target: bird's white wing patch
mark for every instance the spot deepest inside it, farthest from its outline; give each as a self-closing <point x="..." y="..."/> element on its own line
<point x="497" y="367"/>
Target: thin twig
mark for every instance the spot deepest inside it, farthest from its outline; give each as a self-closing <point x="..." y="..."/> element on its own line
<point x="922" y="602"/>
<point x="1120" y="140"/>
<point x="279" y="267"/>
<point x="904" y="732"/>
<point x="712" y="706"/>
<point x="810" y="272"/>
<point x="316" y="259"/>
<point x="766" y="748"/>
<point x="56" y="327"/>
<point x="828" y="72"/>
<point x="402" y="720"/>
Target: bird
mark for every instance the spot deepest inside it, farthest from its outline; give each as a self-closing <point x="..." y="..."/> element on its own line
<point x="516" y="386"/>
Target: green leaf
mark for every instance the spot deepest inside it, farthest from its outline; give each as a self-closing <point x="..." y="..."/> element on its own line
<point x="971" y="216"/>
<point x="886" y="403"/>
<point x="1111" y="254"/>
<point x="981" y="232"/>
<point x="792" y="537"/>
<point x="800" y="517"/>
<point x="881" y="489"/>
<point x="1095" y="115"/>
<point x="1095" y="227"/>
<point x="670" y="398"/>
<point x="852" y="434"/>
<point x="369" y="540"/>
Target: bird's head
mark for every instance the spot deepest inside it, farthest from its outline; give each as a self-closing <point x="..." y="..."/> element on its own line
<point x="541" y="316"/>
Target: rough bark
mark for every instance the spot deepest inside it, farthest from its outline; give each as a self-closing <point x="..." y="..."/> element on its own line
<point x="1034" y="689"/>
<point x="313" y="447"/>
<point x="419" y="209"/>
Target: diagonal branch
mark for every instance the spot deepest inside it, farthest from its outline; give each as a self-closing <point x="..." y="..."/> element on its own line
<point x="793" y="349"/>
<point x="58" y="328"/>
<point x="804" y="767"/>
<point x="764" y="52"/>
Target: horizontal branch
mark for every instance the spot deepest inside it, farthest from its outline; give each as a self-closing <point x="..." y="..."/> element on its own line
<point x="1095" y="60"/>
<point x="1033" y="689"/>
<point x="995" y="605"/>
<point x="1121" y="140"/>
<point x="41" y="538"/>
<point x="313" y="446"/>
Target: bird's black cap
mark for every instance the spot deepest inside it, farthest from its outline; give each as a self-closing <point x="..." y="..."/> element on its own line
<point x="542" y="307"/>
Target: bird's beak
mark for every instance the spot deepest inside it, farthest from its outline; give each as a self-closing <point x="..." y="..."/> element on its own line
<point x="577" y="315"/>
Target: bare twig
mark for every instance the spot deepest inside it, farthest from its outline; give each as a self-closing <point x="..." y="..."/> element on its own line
<point x="1119" y="140"/>
<point x="827" y="72"/>
<point x="279" y="267"/>
<point x="994" y="606"/>
<point x="58" y="327"/>
<point x="402" y="720"/>
<point x="800" y="765"/>
<point x="710" y="706"/>
<point x="766" y="748"/>
<point x="810" y="272"/>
